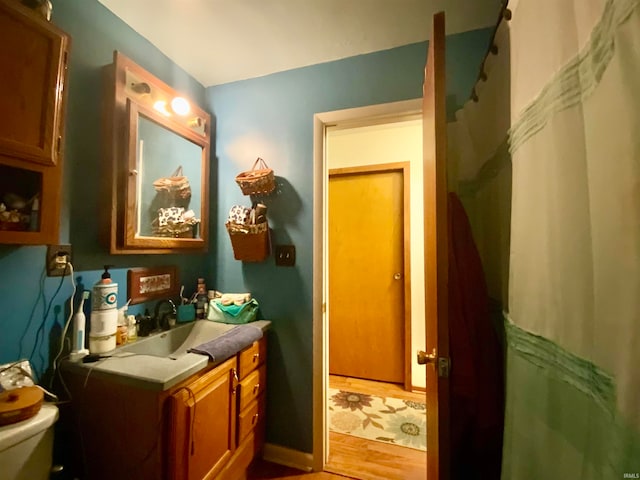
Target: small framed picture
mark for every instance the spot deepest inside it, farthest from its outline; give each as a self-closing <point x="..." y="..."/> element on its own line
<point x="154" y="283"/>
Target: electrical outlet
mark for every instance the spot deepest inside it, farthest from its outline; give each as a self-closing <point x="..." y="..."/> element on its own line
<point x="285" y="255"/>
<point x="57" y="258"/>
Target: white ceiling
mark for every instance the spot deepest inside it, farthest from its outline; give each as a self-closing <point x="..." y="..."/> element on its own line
<point x="220" y="41"/>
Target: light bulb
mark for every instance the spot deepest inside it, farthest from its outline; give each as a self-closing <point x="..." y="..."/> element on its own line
<point x="180" y="105"/>
<point x="161" y="106"/>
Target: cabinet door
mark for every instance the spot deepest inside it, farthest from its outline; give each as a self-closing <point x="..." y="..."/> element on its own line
<point x="202" y="425"/>
<point x="33" y="55"/>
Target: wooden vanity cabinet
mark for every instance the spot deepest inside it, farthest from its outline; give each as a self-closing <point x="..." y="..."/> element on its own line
<point x="33" y="55"/>
<point x="216" y="424"/>
<point x="209" y="426"/>
<point x="251" y="406"/>
<point x="202" y="424"/>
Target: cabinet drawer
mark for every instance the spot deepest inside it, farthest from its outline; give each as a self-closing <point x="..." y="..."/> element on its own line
<point x="250" y="358"/>
<point x="249" y="418"/>
<point x="252" y="387"/>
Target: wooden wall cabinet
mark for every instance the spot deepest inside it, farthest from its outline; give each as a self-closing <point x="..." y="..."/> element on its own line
<point x="147" y="139"/>
<point x="209" y="426"/>
<point x="33" y="55"/>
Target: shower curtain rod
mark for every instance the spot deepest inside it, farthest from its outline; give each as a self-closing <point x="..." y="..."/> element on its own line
<point x="505" y="14"/>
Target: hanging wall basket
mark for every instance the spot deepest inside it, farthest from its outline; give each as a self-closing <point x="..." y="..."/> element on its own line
<point x="250" y="242"/>
<point x="257" y="181"/>
<point x="176" y="185"/>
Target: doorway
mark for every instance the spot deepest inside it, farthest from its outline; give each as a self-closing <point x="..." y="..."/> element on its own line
<point x="369" y="290"/>
<point x="376" y="119"/>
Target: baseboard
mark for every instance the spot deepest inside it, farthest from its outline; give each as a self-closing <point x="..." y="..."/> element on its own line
<point x="418" y="389"/>
<point x="288" y="457"/>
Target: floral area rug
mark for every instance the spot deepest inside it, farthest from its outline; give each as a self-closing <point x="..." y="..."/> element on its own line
<point x="389" y="420"/>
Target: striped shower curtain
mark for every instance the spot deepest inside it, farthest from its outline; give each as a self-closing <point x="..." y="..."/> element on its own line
<point x="548" y="167"/>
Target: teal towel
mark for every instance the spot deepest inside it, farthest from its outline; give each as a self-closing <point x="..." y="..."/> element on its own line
<point x="234" y="314"/>
<point x="235" y="310"/>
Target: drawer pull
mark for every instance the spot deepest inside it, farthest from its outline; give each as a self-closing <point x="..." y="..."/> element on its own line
<point x="256" y="357"/>
<point x="256" y="387"/>
<point x="254" y="419"/>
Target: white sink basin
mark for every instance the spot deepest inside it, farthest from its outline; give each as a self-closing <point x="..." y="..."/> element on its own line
<point x="177" y="341"/>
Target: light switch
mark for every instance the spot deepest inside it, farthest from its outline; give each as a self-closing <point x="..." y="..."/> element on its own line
<point x="285" y="255"/>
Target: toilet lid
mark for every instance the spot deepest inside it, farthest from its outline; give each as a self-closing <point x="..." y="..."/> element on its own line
<point x="19" y="404"/>
<point x="11" y="435"/>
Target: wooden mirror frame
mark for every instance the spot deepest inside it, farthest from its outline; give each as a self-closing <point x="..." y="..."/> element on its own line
<point x="122" y="107"/>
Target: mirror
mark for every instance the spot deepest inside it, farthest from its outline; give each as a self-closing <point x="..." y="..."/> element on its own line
<point x="160" y="161"/>
<point x="159" y="150"/>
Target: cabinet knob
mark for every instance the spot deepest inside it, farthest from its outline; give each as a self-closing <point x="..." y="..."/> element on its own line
<point x="133" y="172"/>
<point x="254" y="419"/>
<point x="256" y="357"/>
<point x="256" y="387"/>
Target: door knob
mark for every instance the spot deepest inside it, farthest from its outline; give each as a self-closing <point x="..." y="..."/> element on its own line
<point x="425" y="358"/>
<point x="397" y="276"/>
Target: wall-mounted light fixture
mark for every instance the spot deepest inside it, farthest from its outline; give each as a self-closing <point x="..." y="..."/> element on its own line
<point x="157" y="98"/>
<point x="141" y="88"/>
<point x="162" y="101"/>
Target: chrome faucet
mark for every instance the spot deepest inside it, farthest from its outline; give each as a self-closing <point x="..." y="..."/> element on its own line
<point x="165" y="319"/>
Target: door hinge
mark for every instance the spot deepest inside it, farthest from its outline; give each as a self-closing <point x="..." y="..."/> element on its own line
<point x="444" y="365"/>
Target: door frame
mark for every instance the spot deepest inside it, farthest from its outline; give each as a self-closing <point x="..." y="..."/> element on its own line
<point x="354" y="116"/>
<point x="405" y="169"/>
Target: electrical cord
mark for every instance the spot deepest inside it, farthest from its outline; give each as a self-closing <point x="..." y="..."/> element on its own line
<point x="40" y="296"/>
<point x="66" y="327"/>
<point x="40" y="330"/>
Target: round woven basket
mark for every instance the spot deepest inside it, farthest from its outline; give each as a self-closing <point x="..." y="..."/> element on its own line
<point x="257" y="181"/>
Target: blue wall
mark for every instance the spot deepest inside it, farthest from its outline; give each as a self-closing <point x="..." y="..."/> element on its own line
<point x="25" y="291"/>
<point x="272" y="117"/>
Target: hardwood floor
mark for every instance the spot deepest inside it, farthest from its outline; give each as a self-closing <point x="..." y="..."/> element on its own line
<point x="357" y="458"/>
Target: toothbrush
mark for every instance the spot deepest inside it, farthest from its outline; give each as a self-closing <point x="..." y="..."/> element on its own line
<point x="79" y="325"/>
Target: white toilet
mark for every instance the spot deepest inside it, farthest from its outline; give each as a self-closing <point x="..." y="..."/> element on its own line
<point x="26" y="447"/>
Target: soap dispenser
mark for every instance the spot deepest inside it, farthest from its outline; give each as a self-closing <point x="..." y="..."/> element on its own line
<point x="105" y="292"/>
<point x="104" y="314"/>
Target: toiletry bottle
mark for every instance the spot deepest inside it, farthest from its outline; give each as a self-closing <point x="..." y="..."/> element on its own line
<point x="34" y="218"/>
<point x="105" y="293"/>
<point x="123" y="326"/>
<point x="132" y="331"/>
<point x="104" y="314"/>
<point x="201" y="300"/>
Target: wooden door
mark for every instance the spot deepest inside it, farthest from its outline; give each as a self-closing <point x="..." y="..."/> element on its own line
<point x="367" y="311"/>
<point x="435" y="254"/>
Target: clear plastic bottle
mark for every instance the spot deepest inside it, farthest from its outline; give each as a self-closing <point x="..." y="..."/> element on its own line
<point x="132" y="331"/>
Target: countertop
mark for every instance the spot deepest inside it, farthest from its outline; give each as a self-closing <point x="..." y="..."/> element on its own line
<point x="147" y="371"/>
